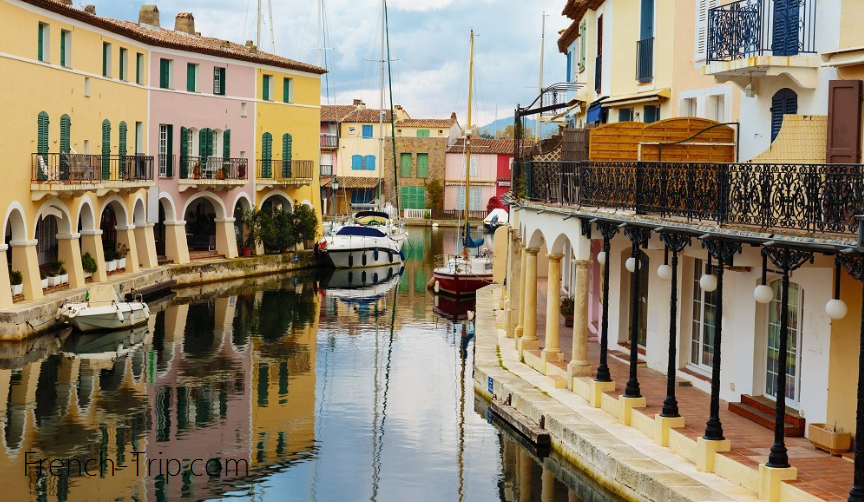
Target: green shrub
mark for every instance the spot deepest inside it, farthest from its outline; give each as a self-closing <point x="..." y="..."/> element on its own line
<point x="305" y="223"/>
<point x="88" y="263"/>
<point x="16" y="278"/>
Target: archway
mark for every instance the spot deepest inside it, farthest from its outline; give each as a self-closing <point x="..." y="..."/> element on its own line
<point x="113" y="215"/>
<point x="277" y="200"/>
<point x="166" y="214"/>
<point x="241" y="204"/>
<point x="15" y="231"/>
<point x="200" y="220"/>
<point x="53" y="219"/>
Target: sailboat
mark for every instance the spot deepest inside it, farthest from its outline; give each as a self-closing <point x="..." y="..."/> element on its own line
<point x="463" y="275"/>
<point x="370" y="238"/>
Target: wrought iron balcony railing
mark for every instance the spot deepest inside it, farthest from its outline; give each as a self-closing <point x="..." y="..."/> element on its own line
<point x="645" y="60"/>
<point x="213" y="168"/>
<point x="805" y="197"/>
<point x="166" y="166"/>
<point x="748" y="28"/>
<point x="598" y="74"/>
<point x="326" y="170"/>
<point x="329" y="140"/>
<point x="71" y="168"/>
<point x="269" y="169"/>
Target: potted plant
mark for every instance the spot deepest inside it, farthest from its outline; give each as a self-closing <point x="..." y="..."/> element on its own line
<point x="52" y="278"/>
<point x="567" y="311"/>
<point x="241" y="170"/>
<point x="110" y="262"/>
<point x="829" y="438"/>
<point x="120" y="255"/>
<point x="252" y="228"/>
<point x="63" y="275"/>
<point x="196" y="170"/>
<point x="44" y="277"/>
<point x="305" y="225"/>
<point x="17" y="281"/>
<point x="89" y="265"/>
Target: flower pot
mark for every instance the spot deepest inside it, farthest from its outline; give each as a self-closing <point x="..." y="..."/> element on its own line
<point x="247" y="252"/>
<point x="87" y="275"/>
<point x="45" y="283"/>
<point x="568" y="321"/>
<point x="64" y="279"/>
<point x="121" y="263"/>
<point x="110" y="266"/>
<point x="834" y="443"/>
<point x="17" y="289"/>
<point x="52" y="281"/>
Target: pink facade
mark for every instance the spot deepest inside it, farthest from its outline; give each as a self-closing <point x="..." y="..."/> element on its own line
<point x="503" y="183"/>
<point x="176" y="108"/>
<point x="486" y="175"/>
<point x="329" y="147"/>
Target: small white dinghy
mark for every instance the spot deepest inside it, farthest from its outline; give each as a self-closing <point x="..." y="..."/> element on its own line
<point x="103" y="309"/>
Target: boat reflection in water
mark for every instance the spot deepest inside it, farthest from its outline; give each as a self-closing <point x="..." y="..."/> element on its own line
<point x="105" y="345"/>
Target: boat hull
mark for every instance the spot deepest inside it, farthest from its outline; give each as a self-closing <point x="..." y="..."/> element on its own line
<point x="454" y="284"/>
<point x="107" y="318"/>
<point x="363" y="257"/>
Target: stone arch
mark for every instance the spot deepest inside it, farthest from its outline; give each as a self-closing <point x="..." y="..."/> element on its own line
<point x="535" y="239"/>
<point x="559" y="245"/>
<point x="218" y="205"/>
<point x="242" y="201"/>
<point x="15" y="218"/>
<point x="119" y="206"/>
<point x="54" y="207"/>
<point x="86" y="215"/>
<point x="281" y="195"/>
<point x="139" y="211"/>
<point x="168" y="206"/>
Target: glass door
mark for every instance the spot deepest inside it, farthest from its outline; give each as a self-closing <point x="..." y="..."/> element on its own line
<point x="704" y="322"/>
<point x="793" y="356"/>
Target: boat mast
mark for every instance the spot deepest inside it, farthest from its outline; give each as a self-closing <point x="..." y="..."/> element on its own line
<point x="381" y="106"/>
<point x="320" y="6"/>
<point x="258" y="33"/>
<point x="540" y="80"/>
<point x="468" y="131"/>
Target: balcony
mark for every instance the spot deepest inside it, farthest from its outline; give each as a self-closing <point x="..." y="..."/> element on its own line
<point x="215" y="173"/>
<point x="72" y="174"/>
<point x="645" y="60"/>
<point x="329" y="141"/>
<point x="326" y="170"/>
<point x="754" y="38"/>
<point x="792" y="199"/>
<point x="284" y="173"/>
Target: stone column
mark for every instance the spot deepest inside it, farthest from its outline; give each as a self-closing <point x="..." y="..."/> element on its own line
<point x="552" y="349"/>
<point x="24" y="259"/>
<point x="226" y="241"/>
<point x="69" y="250"/>
<point x="146" y="241"/>
<point x="91" y="242"/>
<point x="176" y="247"/>
<point x="126" y="236"/>
<point x="522" y="259"/>
<point x="547" y="486"/>
<point x="525" y="465"/>
<point x="511" y="303"/>
<point x="579" y="365"/>
<point x="529" y="340"/>
<point x="5" y="282"/>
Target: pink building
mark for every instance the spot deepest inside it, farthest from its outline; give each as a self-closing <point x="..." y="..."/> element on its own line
<point x="490" y="173"/>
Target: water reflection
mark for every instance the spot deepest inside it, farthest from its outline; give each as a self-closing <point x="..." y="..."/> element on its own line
<point x="304" y="387"/>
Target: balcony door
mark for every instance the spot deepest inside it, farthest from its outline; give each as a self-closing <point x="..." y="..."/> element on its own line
<point x="793" y="342"/>
<point x="786" y="27"/>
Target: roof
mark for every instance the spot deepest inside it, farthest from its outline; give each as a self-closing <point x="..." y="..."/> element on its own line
<point x="336" y="113"/>
<point x="481" y="146"/>
<point x="171" y="39"/>
<point x="430" y="123"/>
<point x="351" y="181"/>
<point x="367" y="116"/>
<point x="568" y="36"/>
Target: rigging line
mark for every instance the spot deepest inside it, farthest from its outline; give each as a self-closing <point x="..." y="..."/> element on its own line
<point x="392" y="112"/>
<point x="305" y="27"/>
<point x="386" y="379"/>
<point x="375" y="466"/>
<point x="272" y="36"/>
<point x="242" y="27"/>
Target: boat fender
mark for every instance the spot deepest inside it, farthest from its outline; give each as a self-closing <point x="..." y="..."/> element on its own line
<point x="390" y="255"/>
<point x="119" y="315"/>
<point x="437" y="287"/>
<point x="375" y="255"/>
<point x="364" y="259"/>
<point x="402" y="255"/>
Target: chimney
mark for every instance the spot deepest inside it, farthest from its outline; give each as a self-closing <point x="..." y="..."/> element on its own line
<point x="90" y="9"/>
<point x="67" y="3"/>
<point x="149" y="14"/>
<point x="453" y="116"/>
<point x="251" y="46"/>
<point x="185" y="23"/>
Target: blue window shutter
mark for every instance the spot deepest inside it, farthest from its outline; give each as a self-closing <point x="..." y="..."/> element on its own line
<point x="356" y="162"/>
<point x="367" y="131"/>
<point x="569" y="67"/>
<point x="646" y="29"/>
<point x="370" y="162"/>
<point x="784" y="102"/>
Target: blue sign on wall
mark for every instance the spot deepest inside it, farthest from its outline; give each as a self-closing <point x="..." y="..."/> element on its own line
<point x="490" y="383"/>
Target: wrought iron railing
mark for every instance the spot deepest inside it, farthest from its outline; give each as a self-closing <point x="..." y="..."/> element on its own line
<point x="645" y="60"/>
<point x="807" y="197"/>
<point x="748" y="28"/>
<point x="81" y="168"/>
<point x="598" y="73"/>
<point x="456" y="214"/>
<point x="329" y="140"/>
<point x="166" y="166"/>
<point x="271" y="169"/>
<point x="326" y="170"/>
<point x="213" y="168"/>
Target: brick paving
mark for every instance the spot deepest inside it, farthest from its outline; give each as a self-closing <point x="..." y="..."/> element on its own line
<point x="819" y="474"/>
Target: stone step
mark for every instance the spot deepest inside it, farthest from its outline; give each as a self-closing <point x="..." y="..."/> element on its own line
<point x="558" y="381"/>
<point x="764" y="419"/>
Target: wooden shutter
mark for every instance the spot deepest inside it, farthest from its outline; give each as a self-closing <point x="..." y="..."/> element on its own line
<point x="106" y="150"/>
<point x="422" y="165"/>
<point x="190" y="77"/>
<point x="202" y="143"/>
<point x="42" y="142"/>
<point x="786" y="26"/>
<point x="370" y="162"/>
<point x="41" y="49"/>
<point x="286" y="90"/>
<point x="266" y="84"/>
<point x="405" y="165"/>
<point x="222" y="81"/>
<point x="164" y="69"/>
<point x="356" y="162"/>
<point x="63" y="35"/>
<point x="844" y="122"/>
<point x="583" y="29"/>
<point x="184" y="152"/>
<point x="703" y="8"/>
<point x="785" y="101"/>
<point x="106" y="48"/>
<point x="646" y="26"/>
<point x="139" y="63"/>
<point x="226" y="144"/>
<point x="287" y="145"/>
<point x="266" y="155"/>
<point x="121" y="151"/>
<point x="65" y="131"/>
<point x="169" y="152"/>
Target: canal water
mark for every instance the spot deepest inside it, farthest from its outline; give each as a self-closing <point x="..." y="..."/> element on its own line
<point x="298" y="387"/>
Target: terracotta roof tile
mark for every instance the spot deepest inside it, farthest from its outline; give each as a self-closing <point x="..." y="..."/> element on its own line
<point x="482" y="146"/>
<point x="161" y="37"/>
<point x="351" y="181"/>
<point x="430" y="123"/>
<point x="568" y="36"/>
<point x="336" y="113"/>
<point x="367" y="116"/>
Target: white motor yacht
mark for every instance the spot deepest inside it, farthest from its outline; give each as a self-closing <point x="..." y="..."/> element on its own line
<point x="371" y="239"/>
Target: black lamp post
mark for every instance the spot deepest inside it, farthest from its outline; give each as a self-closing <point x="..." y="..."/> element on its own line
<point x="722" y="251"/>
<point x="638" y="237"/>
<point x="675" y="243"/>
<point x="608" y="231"/>
<point x="787" y="260"/>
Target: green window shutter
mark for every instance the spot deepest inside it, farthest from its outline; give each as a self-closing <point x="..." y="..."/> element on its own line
<point x="121" y="151"/>
<point x="184" y="153"/>
<point x="405" y="165"/>
<point x="286" y="90"/>
<point x="266" y="155"/>
<point x="287" y="154"/>
<point x="582" y="29"/>
<point x="222" y="82"/>
<point x="226" y="145"/>
<point x="190" y="77"/>
<point x="65" y="130"/>
<point x="106" y="48"/>
<point x="42" y="142"/>
<point x="63" y="35"/>
<point x="139" y="64"/>
<point x="106" y="150"/>
<point x="422" y="165"/>
<point x="423" y="133"/>
<point x="41" y="48"/>
<point x="266" y="84"/>
<point x="164" y="70"/>
<point x="202" y="143"/>
<point x="169" y="151"/>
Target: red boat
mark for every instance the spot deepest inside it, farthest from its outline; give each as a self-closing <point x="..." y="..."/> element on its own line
<point x="460" y="277"/>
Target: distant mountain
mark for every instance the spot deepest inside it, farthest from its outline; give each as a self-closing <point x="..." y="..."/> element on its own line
<point x="546" y="129"/>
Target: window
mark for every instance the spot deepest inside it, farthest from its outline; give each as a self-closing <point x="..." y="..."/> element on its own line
<point x="473" y="167"/>
<point x="784" y="102"/>
<point x="413" y="197"/>
<point x="361" y="196"/>
<point x="405" y="165"/>
<point x="625" y="115"/>
<point x="356" y="162"/>
<point x="139" y="69"/>
<point x="793" y="357"/>
<point x="44" y="42"/>
<point x="475" y="204"/>
<point x="688" y="108"/>
<point x="244" y="110"/>
<point x="165" y="151"/>
<point x="645" y="45"/>
<point x="367" y="131"/>
<point x="569" y="66"/>
<point x="422" y="133"/>
<point x="422" y="165"/>
<point x="191" y="77"/>
<point x="166" y="67"/>
<point x="219" y="81"/>
<point x="369" y="162"/>
<point x="86" y="87"/>
<point x="651" y="114"/>
<point x="704" y="321"/>
<point x="124" y="64"/>
<point x="701" y="44"/>
<point x="106" y="59"/>
<point x="715" y="107"/>
<point x="267" y="91"/>
<point x="287" y="90"/>
<point x="65" y="48"/>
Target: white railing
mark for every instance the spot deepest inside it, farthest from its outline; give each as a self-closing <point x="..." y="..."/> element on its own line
<point x="417" y="214"/>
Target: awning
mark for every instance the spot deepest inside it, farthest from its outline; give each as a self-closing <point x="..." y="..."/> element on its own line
<point x="594" y="112"/>
<point x="655" y="96"/>
<point x="351" y="182"/>
<point x="852" y="56"/>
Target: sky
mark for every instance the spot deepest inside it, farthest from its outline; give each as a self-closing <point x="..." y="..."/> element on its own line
<point x="429" y="43"/>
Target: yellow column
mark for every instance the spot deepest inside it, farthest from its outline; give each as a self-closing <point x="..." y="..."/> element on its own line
<point x="69" y="250"/>
<point x="529" y="340"/>
<point x="226" y="240"/>
<point x="522" y="259"/>
<point x="91" y="242"/>
<point x="176" y="247"/>
<point x="552" y="349"/>
<point x="5" y="283"/>
<point x="126" y="236"/>
<point x="25" y="260"/>
<point x="146" y="242"/>
<point x="511" y="303"/>
<point x="525" y="465"/>
<point x="579" y="365"/>
<point x="547" y="486"/>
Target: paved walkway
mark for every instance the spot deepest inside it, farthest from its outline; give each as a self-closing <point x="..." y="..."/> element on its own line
<point x="820" y="474"/>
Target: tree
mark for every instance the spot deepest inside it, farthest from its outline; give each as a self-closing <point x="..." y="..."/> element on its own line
<point x="509" y="132"/>
<point x="435" y="197"/>
<point x="305" y="223"/>
<point x="494" y="203"/>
